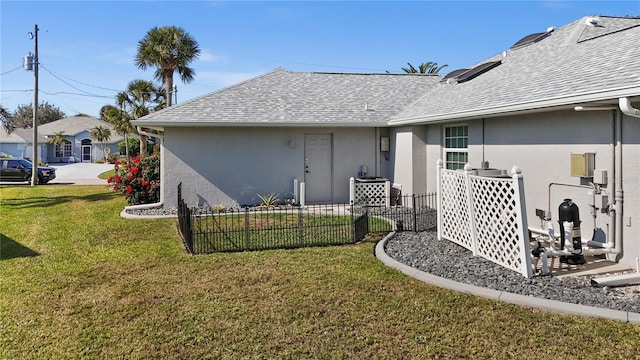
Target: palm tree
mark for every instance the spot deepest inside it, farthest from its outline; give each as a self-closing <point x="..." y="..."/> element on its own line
<point x="168" y="49"/>
<point x="102" y="134"/>
<point x="141" y="98"/>
<point x="58" y="139"/>
<point x="424" y="68"/>
<point x="120" y="121"/>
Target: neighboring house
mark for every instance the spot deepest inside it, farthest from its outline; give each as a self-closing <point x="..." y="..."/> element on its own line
<point x="79" y="146"/>
<point x="560" y="104"/>
<point x="18" y="144"/>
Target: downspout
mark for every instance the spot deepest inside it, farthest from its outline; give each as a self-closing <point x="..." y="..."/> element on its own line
<point x="627" y="109"/>
<point x="162" y="189"/>
<point x="624" y="279"/>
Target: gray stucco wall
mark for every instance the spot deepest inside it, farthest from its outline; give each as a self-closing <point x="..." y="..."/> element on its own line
<point x="541" y="145"/>
<point x="409" y="159"/>
<point x="229" y="166"/>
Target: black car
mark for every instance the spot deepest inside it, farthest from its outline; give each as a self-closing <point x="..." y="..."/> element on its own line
<point x="19" y="170"/>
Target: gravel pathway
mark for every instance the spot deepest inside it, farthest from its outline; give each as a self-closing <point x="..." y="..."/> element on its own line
<point x="448" y="260"/>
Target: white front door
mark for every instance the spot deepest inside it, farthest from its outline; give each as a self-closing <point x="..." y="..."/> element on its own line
<point x="86" y="153"/>
<point x="318" y="168"/>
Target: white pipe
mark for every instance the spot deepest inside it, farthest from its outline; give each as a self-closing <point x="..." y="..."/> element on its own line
<point x="545" y="266"/>
<point x="162" y="188"/>
<point x="625" y="106"/>
<point x="618" y="280"/>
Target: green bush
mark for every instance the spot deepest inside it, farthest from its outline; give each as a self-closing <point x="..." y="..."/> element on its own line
<point x="134" y="147"/>
<point x="138" y="179"/>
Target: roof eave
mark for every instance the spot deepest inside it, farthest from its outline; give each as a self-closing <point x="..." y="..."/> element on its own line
<point x="540" y="105"/>
<point x="171" y="123"/>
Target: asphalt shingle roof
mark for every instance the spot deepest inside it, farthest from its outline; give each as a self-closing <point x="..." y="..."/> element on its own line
<point x="283" y="97"/>
<point x="576" y="62"/>
<point x="75" y="125"/>
<point x="592" y="59"/>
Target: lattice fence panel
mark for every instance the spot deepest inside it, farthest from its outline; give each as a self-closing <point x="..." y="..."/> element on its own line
<point x="455" y="208"/>
<point x="373" y="194"/>
<point x="496" y="221"/>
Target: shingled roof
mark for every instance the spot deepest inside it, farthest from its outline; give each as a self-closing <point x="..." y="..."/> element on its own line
<point x="596" y="58"/>
<point x="286" y="98"/>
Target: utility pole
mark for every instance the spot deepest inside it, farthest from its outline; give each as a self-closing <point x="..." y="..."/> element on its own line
<point x="34" y="159"/>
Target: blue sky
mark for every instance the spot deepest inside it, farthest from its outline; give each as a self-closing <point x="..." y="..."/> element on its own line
<point x="87" y="48"/>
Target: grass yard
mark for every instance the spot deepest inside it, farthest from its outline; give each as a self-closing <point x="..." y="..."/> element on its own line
<point x="78" y="281"/>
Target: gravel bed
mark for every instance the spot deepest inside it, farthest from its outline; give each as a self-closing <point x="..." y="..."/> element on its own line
<point x="446" y="259"/>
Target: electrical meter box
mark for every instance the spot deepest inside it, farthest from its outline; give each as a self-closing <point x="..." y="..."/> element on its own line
<point x="582" y="165"/>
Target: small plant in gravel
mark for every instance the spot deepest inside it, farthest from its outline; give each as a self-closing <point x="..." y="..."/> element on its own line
<point x="268" y="201"/>
<point x="138" y="179"/>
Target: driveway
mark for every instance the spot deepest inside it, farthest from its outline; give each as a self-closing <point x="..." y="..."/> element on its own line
<point x="80" y="173"/>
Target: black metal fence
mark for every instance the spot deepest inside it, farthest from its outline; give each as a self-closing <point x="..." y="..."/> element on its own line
<point x="207" y="230"/>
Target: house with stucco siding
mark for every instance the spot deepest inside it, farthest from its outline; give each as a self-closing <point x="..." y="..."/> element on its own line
<point x="561" y="104"/>
<point x="79" y="147"/>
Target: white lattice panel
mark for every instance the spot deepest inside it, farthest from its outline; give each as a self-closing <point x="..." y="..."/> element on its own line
<point x="496" y="221"/>
<point x="374" y="193"/>
<point x="455" y="211"/>
<point x="486" y="215"/>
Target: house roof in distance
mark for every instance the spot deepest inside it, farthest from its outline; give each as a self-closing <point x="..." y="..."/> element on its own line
<point x="593" y="59"/>
<point x="20" y="136"/>
<point x="75" y="125"/>
<point x="286" y="98"/>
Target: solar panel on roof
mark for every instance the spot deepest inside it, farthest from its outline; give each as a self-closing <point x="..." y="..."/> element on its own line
<point x="478" y="70"/>
<point x="453" y="74"/>
<point x="530" y="39"/>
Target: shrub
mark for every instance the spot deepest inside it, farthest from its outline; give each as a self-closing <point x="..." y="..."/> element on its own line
<point x="138" y="179"/>
<point x="113" y="158"/>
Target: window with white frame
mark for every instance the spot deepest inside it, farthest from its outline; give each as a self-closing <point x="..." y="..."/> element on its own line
<point x="456" y="142"/>
<point x="63" y="150"/>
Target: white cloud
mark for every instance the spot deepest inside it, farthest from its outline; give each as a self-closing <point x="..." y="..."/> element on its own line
<point x="207" y="55"/>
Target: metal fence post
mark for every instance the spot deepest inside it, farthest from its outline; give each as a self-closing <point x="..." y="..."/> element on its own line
<point x="415" y="214"/>
<point x="300" y="228"/>
<point x="247" y="229"/>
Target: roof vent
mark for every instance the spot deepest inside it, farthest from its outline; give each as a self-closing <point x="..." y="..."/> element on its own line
<point x="593" y="21"/>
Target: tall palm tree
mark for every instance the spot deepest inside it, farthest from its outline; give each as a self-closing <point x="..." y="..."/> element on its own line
<point x="168" y="49"/>
<point x="120" y="121"/>
<point x="102" y="134"/>
<point x="141" y="98"/>
<point x="424" y="68"/>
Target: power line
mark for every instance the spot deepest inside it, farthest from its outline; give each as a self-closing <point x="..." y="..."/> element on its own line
<point x="66" y="83"/>
<point x="82" y="83"/>
<point x="10" y="71"/>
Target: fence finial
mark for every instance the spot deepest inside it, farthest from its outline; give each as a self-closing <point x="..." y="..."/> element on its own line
<point x="515" y="170"/>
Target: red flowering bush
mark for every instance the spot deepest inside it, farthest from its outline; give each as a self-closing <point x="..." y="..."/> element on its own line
<point x="138" y="179"/>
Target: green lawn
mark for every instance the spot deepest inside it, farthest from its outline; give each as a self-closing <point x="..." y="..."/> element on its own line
<point x="78" y="281"/>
